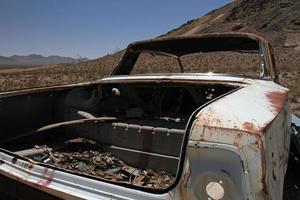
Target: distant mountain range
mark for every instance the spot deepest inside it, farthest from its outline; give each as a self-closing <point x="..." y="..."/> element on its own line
<point x="35" y="60"/>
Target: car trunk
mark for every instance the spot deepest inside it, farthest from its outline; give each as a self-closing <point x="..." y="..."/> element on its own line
<point x="121" y="132"/>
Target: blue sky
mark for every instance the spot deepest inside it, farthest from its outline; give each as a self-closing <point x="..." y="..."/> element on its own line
<point x="90" y="28"/>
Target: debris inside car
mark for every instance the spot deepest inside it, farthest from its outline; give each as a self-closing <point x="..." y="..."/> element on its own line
<point x="86" y="156"/>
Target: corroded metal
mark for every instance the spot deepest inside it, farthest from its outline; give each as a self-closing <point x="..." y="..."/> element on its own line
<point x="237" y="144"/>
<point x="256" y="120"/>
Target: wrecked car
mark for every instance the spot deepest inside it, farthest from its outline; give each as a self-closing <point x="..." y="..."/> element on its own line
<point x="174" y="120"/>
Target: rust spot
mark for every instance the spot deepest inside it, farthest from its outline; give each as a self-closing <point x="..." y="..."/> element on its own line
<point x="202" y="140"/>
<point x="263" y="166"/>
<point x="237" y="139"/>
<point x="14" y="160"/>
<point x="256" y="143"/>
<point x="239" y="135"/>
<point x="209" y="116"/>
<point x="28" y="165"/>
<point x="46" y="179"/>
<point x="49" y="179"/>
<point x="277" y="100"/>
<point x="250" y="127"/>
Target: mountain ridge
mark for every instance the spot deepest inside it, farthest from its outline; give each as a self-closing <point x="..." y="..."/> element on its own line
<point x="37" y="60"/>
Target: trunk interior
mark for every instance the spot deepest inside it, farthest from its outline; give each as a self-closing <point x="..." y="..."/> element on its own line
<point x="130" y="132"/>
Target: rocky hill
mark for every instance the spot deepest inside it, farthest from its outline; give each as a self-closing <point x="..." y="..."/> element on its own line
<point x="276" y="20"/>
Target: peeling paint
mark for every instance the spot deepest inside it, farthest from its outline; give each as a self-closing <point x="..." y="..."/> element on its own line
<point x="46" y="179"/>
<point x="277" y="100"/>
<point x="250" y="127"/>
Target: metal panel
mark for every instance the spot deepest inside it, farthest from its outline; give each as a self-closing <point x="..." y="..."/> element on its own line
<point x="255" y="119"/>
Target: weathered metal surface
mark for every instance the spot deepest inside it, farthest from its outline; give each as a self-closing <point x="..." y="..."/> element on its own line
<point x="251" y="108"/>
<point x="256" y="120"/>
<point x="214" y="171"/>
<point x="238" y="145"/>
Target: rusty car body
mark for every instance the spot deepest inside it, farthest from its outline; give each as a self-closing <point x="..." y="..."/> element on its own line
<point x="221" y="136"/>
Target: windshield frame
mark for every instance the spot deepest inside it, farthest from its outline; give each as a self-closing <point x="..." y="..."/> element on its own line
<point x="181" y="45"/>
